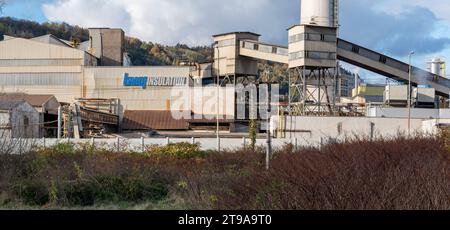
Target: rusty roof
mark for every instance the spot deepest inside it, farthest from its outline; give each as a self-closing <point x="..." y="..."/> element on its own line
<point x="33" y="100"/>
<point x="152" y="120"/>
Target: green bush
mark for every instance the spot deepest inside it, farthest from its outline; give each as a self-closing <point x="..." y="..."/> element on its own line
<point x="82" y="193"/>
<point x="179" y="150"/>
<point x="64" y="148"/>
<point x="107" y="189"/>
<point x="33" y="192"/>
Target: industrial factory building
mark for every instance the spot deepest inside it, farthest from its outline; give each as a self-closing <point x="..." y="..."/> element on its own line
<point x="100" y="91"/>
<point x="96" y="75"/>
<point x="48" y="65"/>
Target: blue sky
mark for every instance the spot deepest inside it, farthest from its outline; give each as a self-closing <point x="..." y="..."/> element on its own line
<point x="393" y="27"/>
<point x="26" y="9"/>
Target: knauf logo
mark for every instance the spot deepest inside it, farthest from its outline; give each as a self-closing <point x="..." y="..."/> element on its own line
<point x="135" y="81"/>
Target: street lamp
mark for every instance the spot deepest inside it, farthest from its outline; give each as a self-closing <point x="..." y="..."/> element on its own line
<point x="409" y="94"/>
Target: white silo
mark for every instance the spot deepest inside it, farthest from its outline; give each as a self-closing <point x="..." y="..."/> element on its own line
<point x="319" y="12"/>
<point x="437" y="66"/>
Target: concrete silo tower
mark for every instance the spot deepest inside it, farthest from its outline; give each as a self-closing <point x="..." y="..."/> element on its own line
<point x="313" y="58"/>
<point x="320" y="13"/>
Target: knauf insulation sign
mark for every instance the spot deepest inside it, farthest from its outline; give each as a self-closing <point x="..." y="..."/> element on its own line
<point x="145" y="81"/>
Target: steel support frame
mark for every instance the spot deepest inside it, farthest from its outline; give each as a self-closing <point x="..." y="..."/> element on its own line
<point x="312" y="91"/>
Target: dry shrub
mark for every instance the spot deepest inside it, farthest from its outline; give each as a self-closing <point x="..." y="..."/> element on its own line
<point x="399" y="173"/>
<point x="385" y="174"/>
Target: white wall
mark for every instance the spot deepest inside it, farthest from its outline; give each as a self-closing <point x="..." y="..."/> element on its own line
<point x="403" y="113"/>
<point x="316" y="129"/>
<point x="139" y="144"/>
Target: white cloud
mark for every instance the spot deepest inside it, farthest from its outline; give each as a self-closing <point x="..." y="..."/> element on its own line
<point x="194" y="21"/>
<point x="180" y="21"/>
<point x="439" y="7"/>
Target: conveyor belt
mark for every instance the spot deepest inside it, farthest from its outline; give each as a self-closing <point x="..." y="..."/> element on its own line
<point x="358" y="56"/>
<point x="389" y="67"/>
<point x="263" y="51"/>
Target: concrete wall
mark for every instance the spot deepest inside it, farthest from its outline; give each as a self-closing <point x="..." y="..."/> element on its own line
<point x="139" y="144"/>
<point x="403" y="113"/>
<point x="316" y="129"/>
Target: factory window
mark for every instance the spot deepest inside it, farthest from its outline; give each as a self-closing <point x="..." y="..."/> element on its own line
<point x="265" y="48"/>
<point x="229" y="42"/>
<point x="282" y="51"/>
<point x="296" y="38"/>
<point x="321" y="55"/>
<point x="248" y="45"/>
<point x="274" y="50"/>
<point x="296" y="55"/>
<point x="314" y="37"/>
<point x="383" y="59"/>
<point x="329" y="38"/>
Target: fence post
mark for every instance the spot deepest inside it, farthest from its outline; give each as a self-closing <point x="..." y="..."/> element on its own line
<point x="93" y="142"/>
<point x="219" y="147"/>
<point x="167" y="140"/>
<point x="143" y="144"/>
<point x="44" y="144"/>
<point x="193" y="140"/>
<point x="296" y="143"/>
<point x="20" y="145"/>
<point x="118" y="144"/>
<point x="321" y="144"/>
<point x="244" y="142"/>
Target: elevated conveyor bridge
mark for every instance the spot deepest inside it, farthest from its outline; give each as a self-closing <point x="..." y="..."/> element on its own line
<point x="355" y="55"/>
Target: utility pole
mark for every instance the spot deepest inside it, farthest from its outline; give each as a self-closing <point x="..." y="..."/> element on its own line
<point x="269" y="144"/>
<point x="218" y="97"/>
<point x="409" y="94"/>
<point x="269" y="133"/>
<point x="59" y="135"/>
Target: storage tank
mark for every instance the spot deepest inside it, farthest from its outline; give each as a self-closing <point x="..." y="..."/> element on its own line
<point x="437" y="66"/>
<point x="319" y="12"/>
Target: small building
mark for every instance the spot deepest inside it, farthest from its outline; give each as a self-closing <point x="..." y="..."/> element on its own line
<point x="18" y="119"/>
<point x="47" y="107"/>
<point x="366" y="93"/>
